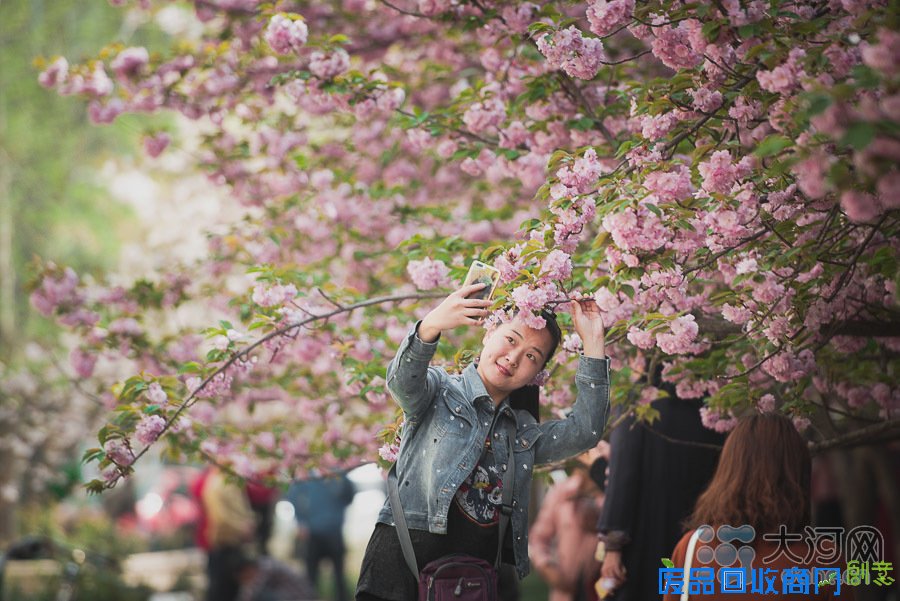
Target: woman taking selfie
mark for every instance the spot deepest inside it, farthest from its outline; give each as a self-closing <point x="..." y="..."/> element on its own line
<point x="454" y="464"/>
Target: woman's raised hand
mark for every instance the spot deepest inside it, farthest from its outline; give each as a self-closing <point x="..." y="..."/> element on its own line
<point x="454" y="311"/>
<point x="589" y="326"/>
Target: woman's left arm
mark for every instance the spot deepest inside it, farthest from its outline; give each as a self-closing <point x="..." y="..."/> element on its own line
<point x="583" y="427"/>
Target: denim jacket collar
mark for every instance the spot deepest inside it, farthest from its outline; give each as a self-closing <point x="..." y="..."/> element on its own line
<point x="475" y="390"/>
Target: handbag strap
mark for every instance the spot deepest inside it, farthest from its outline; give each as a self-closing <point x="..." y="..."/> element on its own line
<point x="688" y="559"/>
<point x="506" y="507"/>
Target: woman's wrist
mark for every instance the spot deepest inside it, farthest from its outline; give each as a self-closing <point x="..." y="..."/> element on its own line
<point x="427" y="333"/>
<point x="595" y="351"/>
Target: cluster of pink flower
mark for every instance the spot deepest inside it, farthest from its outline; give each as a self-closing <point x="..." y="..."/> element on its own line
<point x="327" y="65"/>
<point x="273" y="296"/>
<point x="606" y="16"/>
<point x="569" y="50"/>
<point x="718" y="420"/>
<point x="786" y="77"/>
<point x="738" y="16"/>
<point x="556" y="266"/>
<point x="119" y="452"/>
<point x="149" y="429"/>
<point x="581" y="177"/>
<point x="286" y="34"/>
<point x="680" y="339"/>
<point x="484" y="115"/>
<point x="706" y="100"/>
<point x="636" y="229"/>
<point x="786" y="366"/>
<point x="672" y="45"/>
<point x="428" y="274"/>
<point x="58" y="291"/>
<point x="670" y="186"/>
<point x="720" y="173"/>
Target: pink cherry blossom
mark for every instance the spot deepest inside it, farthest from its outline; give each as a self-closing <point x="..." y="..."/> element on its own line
<point x="642" y="339"/>
<point x="557" y="265"/>
<point x="885" y="54"/>
<point x="672" y="46"/>
<point x="428" y="274"/>
<point x="55" y="73"/>
<point x="670" y="186"/>
<point x="326" y="65"/>
<point x="83" y="362"/>
<point x="706" y="99"/>
<point x="860" y="206"/>
<point x="286" y="34"/>
<point x="129" y="63"/>
<point x="720" y="421"/>
<point x="766" y="403"/>
<point x="680" y="338"/>
<point x="156" y="144"/>
<point x="273" y="295"/>
<point x="156" y="395"/>
<point x="569" y="50"/>
<point x="607" y="16"/>
<point x="118" y="452"/>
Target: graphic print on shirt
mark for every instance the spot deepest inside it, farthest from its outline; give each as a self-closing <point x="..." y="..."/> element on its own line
<point x="479" y="497"/>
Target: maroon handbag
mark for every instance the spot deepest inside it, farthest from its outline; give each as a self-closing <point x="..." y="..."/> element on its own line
<point x="456" y="577"/>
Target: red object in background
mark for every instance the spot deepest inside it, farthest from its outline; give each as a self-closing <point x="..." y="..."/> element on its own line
<point x="196" y="488"/>
<point x="260" y="495"/>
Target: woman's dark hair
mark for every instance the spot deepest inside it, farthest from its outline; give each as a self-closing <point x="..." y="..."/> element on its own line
<point x="763" y="478"/>
<point x="528" y="397"/>
<point x="555" y="332"/>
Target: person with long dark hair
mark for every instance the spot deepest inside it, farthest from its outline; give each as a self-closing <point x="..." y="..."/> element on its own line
<point x="761" y="487"/>
<point x="453" y="457"/>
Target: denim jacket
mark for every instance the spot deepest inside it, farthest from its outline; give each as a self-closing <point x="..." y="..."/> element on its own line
<point x="448" y="418"/>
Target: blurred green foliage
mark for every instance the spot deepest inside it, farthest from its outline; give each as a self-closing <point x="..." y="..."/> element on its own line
<point x="49" y="150"/>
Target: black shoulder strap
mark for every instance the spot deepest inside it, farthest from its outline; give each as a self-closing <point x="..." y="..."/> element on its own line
<point x="506" y="507"/>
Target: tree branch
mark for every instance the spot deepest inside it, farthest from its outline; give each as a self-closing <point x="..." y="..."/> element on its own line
<point x="870" y="435"/>
<point x="244" y="353"/>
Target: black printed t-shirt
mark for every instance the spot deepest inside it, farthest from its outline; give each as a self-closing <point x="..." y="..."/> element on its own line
<point x="472" y="528"/>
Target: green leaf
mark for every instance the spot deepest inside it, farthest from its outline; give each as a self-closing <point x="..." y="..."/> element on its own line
<point x="191" y="367"/>
<point x="668" y="562"/>
<point x="92" y="455"/>
<point x="859" y="135"/>
<point x="772" y="145"/>
<point x="818" y="103"/>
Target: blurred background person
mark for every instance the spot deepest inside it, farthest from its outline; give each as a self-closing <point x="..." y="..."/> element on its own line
<point x="319" y="507"/>
<point x="230" y="527"/>
<point x="265" y="578"/>
<point x="563" y="537"/>
<point x="656" y="473"/>
<point x="763" y="480"/>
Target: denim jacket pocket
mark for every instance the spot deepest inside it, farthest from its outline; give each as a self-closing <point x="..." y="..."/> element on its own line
<point x="455" y="417"/>
<point x="526" y="438"/>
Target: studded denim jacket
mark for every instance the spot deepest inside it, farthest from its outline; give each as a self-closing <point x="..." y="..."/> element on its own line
<point x="447" y="420"/>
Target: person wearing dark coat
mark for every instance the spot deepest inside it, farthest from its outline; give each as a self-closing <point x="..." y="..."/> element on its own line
<point x="656" y="473"/>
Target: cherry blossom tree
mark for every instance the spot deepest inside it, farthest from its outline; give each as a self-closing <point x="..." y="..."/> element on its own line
<point x="720" y="177"/>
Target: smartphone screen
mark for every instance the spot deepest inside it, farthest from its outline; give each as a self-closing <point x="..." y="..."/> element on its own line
<point x="485" y="274"/>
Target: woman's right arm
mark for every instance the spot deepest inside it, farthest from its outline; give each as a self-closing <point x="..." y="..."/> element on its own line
<point x="409" y="379"/>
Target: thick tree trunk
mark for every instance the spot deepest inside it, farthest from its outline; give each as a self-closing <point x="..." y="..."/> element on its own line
<point x="865" y="476"/>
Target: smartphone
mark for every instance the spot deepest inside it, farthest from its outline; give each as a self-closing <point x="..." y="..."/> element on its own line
<point x="481" y="273"/>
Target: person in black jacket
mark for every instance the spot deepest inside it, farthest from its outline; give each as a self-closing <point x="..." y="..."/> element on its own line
<point x="656" y="474"/>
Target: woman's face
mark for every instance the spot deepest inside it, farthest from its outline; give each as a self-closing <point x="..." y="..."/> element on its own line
<point x="512" y="356"/>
